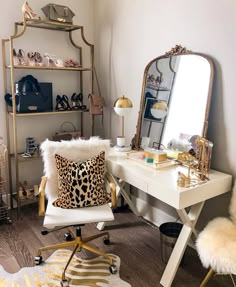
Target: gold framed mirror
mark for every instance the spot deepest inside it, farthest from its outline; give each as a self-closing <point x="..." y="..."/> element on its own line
<point x="175" y="98"/>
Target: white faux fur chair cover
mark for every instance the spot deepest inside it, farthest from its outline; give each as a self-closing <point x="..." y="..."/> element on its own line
<point x="216" y="244"/>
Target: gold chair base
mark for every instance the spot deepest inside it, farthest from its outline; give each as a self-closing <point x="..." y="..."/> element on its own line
<point x="78" y="244"/>
<point x="210" y="274"/>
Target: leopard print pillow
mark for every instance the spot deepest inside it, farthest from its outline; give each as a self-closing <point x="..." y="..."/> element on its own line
<point x="81" y="184"/>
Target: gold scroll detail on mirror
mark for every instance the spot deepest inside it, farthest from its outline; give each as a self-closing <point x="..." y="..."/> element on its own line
<point x="177" y="50"/>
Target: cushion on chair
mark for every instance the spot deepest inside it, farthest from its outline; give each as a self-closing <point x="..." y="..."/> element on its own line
<point x="81" y="184"/>
<point x="216" y="245"/>
<point x="76" y="150"/>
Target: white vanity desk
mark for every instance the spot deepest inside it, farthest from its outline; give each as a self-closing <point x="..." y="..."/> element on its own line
<point x="162" y="184"/>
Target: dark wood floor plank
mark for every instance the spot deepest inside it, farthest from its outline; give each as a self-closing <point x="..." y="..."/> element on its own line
<point x="133" y="240"/>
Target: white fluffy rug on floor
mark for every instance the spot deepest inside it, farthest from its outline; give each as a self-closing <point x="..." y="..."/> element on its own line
<point x="84" y="273"/>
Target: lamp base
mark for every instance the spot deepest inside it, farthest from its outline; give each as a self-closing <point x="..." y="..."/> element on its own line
<point x="122" y="148"/>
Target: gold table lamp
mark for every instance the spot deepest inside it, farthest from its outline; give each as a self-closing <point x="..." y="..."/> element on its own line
<point x="122" y="107"/>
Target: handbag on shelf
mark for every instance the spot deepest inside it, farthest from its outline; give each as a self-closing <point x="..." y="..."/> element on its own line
<point x="58" y="13"/>
<point x="65" y="134"/>
<point x="96" y="102"/>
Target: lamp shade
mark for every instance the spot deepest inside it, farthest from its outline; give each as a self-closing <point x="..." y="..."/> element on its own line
<point x="122" y="106"/>
<point x="159" y="110"/>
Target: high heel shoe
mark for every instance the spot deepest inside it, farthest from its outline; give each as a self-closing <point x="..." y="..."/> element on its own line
<point x="80" y="101"/>
<point x="53" y="61"/>
<point x="28" y="12"/>
<point x="21" y="57"/>
<point x="31" y="56"/>
<point x="38" y="59"/>
<point x="74" y="102"/>
<point x="60" y="105"/>
<point x="66" y="102"/>
<point x="16" y="61"/>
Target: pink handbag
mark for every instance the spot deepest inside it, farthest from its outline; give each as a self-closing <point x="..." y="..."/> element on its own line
<point x="96" y="104"/>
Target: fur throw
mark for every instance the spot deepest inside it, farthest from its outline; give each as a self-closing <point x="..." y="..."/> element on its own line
<point x="76" y="150"/>
<point x="216" y="245"/>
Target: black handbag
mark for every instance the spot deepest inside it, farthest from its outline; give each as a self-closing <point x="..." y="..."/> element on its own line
<point x="33" y="96"/>
<point x="58" y="13"/>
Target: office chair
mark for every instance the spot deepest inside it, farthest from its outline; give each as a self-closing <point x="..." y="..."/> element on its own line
<point x="216" y="245"/>
<point x="73" y="153"/>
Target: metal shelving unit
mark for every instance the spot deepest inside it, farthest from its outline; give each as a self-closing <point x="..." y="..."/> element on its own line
<point x="8" y="65"/>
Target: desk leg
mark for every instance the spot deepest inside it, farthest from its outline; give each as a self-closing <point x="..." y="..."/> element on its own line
<point x="189" y="220"/>
<point x="120" y="190"/>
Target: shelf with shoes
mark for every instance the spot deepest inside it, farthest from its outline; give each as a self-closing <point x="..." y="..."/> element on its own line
<point x="26" y="67"/>
<point x="12" y="67"/>
<point x="48" y="113"/>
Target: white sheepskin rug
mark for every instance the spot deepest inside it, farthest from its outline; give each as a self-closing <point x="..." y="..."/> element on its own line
<point x="76" y="150"/>
<point x="216" y="245"/>
<point x="84" y="273"/>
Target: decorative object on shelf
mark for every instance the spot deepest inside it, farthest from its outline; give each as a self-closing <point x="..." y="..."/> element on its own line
<point x="65" y="134"/>
<point x="58" y="13"/>
<point x="53" y="61"/>
<point x="122" y="107"/>
<point x="28" y="12"/>
<point x="72" y="63"/>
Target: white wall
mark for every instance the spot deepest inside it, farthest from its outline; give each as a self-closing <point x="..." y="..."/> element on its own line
<point x="131" y="33"/>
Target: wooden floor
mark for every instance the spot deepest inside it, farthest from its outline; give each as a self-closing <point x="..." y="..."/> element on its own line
<point x="132" y="239"/>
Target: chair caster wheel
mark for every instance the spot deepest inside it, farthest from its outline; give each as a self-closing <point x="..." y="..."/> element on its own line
<point x="38" y="260"/>
<point x="106" y="241"/>
<point x="113" y="269"/>
<point x="64" y="283"/>
<point x="68" y="236"/>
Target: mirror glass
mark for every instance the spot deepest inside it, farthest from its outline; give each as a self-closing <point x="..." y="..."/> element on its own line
<point x="175" y="99"/>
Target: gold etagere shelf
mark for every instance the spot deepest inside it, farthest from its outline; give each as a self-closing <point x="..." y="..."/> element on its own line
<point x="20" y="29"/>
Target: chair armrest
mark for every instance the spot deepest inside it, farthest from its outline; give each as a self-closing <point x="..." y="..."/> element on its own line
<point x="43" y="182"/>
<point x="112" y="188"/>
